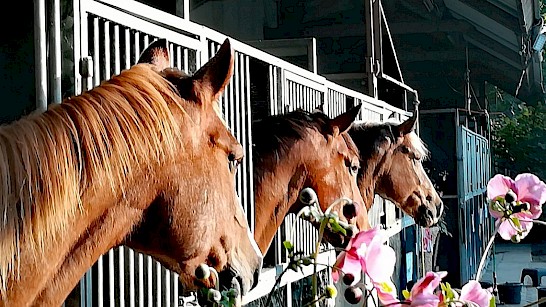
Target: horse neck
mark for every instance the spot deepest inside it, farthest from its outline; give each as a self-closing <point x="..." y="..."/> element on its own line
<point x="93" y="232"/>
<point x="277" y="183"/>
<point x="373" y="167"/>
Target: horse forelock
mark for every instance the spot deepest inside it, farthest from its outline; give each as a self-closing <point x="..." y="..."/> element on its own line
<point x="96" y="139"/>
<point x="414" y="141"/>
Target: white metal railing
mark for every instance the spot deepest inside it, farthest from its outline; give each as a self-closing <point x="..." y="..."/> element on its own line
<point x="109" y="36"/>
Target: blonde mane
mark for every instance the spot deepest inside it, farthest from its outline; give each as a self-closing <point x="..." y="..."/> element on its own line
<point x="91" y="141"/>
<point x="418" y="147"/>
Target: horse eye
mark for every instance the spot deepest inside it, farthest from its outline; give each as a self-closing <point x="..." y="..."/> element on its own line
<point x="354" y="169"/>
<point x="404" y="149"/>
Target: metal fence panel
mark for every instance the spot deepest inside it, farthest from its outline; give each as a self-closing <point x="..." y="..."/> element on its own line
<point x="473" y="160"/>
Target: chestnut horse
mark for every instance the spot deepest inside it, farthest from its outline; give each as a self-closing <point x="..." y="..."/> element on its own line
<point x="391" y="154"/>
<point x="142" y="160"/>
<point x="297" y="150"/>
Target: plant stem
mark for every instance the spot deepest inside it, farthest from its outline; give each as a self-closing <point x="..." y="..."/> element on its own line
<point x="539" y="222"/>
<point x="323" y="224"/>
<point x="277" y="281"/>
<point x="540" y="301"/>
<point x="484" y="256"/>
<point x="315" y="301"/>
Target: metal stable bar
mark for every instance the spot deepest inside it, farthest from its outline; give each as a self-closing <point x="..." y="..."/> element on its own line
<point x="55" y="51"/>
<point x="40" y="55"/>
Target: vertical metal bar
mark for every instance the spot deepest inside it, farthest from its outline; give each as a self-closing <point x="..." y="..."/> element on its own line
<point x="158" y="283"/>
<point x="40" y="55"/>
<point x="168" y="288"/>
<point x="150" y="280"/>
<point x="179" y="58"/>
<point x="121" y="276"/>
<point x="55" y="51"/>
<point x="131" y="271"/>
<point x="146" y="41"/>
<point x="117" y="57"/>
<point x="171" y="54"/>
<point x="248" y="129"/>
<point x="137" y="46"/>
<point x="100" y="281"/>
<point x="175" y="288"/>
<point x="237" y="115"/>
<point x="186" y="61"/>
<point x="370" y="48"/>
<point x="140" y="280"/>
<point x="111" y="278"/>
<point x="107" y="72"/>
<point x="96" y="52"/>
<point x="128" y="63"/>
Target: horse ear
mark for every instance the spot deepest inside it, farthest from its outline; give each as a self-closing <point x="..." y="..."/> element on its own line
<point x="215" y="75"/>
<point x="157" y="53"/>
<point x="343" y="122"/>
<point x="408" y="125"/>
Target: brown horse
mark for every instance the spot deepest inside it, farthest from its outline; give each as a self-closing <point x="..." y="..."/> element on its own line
<point x="297" y="150"/>
<point x="391" y="155"/>
<point x="142" y="160"/>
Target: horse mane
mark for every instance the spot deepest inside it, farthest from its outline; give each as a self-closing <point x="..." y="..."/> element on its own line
<point x="277" y="134"/>
<point x="95" y="140"/>
<point x="377" y="132"/>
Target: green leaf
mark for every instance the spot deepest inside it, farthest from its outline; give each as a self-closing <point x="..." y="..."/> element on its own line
<point x="516" y="222"/>
<point x="288" y="245"/>
<point x="492" y="302"/>
<point x="334" y="224"/>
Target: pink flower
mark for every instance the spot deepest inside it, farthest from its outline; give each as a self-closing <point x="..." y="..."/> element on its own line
<point x="515" y="203"/>
<point x="366" y="253"/>
<point x="473" y="292"/>
<point x="386" y="292"/>
<point x="423" y="292"/>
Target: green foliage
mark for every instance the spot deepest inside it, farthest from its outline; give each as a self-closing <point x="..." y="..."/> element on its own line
<point x="518" y="136"/>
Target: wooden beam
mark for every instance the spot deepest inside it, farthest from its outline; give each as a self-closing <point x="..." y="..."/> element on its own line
<point x="430" y="27"/>
<point x="431" y="56"/>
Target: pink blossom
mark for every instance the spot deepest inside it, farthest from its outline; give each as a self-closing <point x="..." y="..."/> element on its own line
<point x="366" y="253"/>
<point x="473" y="292"/>
<point x="386" y="292"/>
<point x="423" y="293"/>
<point x="527" y="189"/>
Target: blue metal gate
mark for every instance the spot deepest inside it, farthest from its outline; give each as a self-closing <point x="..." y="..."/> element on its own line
<point x="475" y="224"/>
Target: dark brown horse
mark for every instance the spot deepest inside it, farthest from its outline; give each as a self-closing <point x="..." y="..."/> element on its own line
<point x="391" y="156"/>
<point x="144" y="160"/>
<point x="297" y="150"/>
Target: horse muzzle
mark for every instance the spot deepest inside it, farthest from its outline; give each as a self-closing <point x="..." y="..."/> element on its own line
<point x="428" y="216"/>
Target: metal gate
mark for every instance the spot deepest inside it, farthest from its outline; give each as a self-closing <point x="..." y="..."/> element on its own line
<point x="475" y="223"/>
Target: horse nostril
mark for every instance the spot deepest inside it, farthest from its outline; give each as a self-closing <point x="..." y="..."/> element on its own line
<point x="350" y="210"/>
<point x="429" y="198"/>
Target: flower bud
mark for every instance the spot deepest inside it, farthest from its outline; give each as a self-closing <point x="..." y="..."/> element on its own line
<point x="353" y="295"/>
<point x="510" y="196"/>
<point x="348" y="279"/>
<point x="214" y="295"/>
<point x="516" y="238"/>
<point x="202" y="272"/>
<point x="308" y="196"/>
<point x="330" y="291"/>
